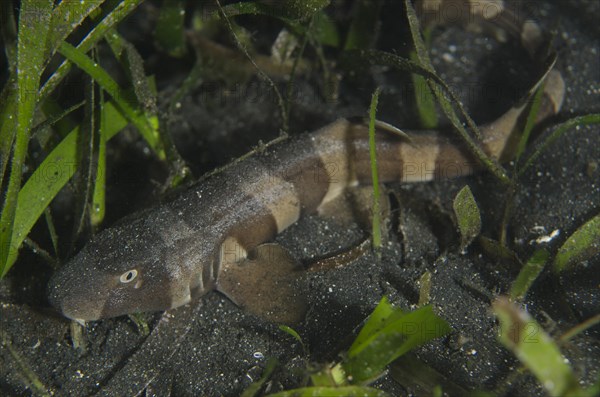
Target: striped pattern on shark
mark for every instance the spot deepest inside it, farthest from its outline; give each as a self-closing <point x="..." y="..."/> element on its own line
<point x="215" y="235"/>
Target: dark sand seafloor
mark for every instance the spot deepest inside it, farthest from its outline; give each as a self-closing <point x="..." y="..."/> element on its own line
<point x="213" y="348"/>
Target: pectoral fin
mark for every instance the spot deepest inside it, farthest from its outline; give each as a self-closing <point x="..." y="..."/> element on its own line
<point x="265" y="283"/>
<point x="356" y="205"/>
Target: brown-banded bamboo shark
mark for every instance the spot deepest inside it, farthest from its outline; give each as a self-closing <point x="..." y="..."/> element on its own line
<point x="215" y="235"/>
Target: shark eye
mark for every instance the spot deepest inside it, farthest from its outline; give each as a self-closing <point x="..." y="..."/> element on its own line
<point x="128" y="276"/>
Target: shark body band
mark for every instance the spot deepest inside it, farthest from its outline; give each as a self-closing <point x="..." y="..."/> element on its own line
<point x="215" y="235"/>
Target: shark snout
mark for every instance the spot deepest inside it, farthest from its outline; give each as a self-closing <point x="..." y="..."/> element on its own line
<point x="74" y="300"/>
